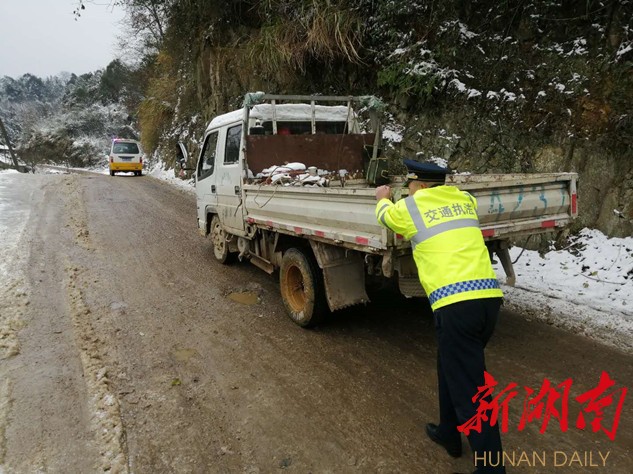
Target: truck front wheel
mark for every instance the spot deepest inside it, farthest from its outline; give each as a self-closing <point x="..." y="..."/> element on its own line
<point x="301" y="284"/>
<point x="220" y="244"/>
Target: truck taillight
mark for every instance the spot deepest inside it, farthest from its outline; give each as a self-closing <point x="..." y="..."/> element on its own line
<point x="111" y="159"/>
<point x="574" y="204"/>
<point x="141" y="160"/>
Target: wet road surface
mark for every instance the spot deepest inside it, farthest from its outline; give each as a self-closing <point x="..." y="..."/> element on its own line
<point x="132" y="353"/>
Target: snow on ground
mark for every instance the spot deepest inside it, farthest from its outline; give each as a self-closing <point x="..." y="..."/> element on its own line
<point x="159" y="172"/>
<point x="586" y="288"/>
<point x="14" y="213"/>
<point x="13" y="217"/>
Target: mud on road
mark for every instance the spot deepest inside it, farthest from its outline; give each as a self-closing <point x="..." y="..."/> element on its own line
<point x="126" y="348"/>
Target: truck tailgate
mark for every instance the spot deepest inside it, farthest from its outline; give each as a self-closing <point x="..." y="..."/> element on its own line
<point x="521" y="204"/>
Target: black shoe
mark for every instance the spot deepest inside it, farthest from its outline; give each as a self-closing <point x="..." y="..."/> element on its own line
<point x="453" y="448"/>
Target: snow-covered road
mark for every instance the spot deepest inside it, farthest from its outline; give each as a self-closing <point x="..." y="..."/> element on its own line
<point x="14" y="212"/>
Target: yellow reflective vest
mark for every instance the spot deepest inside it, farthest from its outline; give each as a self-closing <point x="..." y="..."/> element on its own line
<point x="448" y="248"/>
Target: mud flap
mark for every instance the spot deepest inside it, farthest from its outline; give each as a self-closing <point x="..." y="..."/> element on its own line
<point x="504" y="255"/>
<point x="343" y="275"/>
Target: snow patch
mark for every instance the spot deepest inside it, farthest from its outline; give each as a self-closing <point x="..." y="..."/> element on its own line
<point x="587" y="287"/>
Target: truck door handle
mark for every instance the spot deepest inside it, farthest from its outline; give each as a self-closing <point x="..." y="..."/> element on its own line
<point x="213" y="188"/>
<point x="237" y="189"/>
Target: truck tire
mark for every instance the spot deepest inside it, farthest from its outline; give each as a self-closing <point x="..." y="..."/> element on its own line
<point x="219" y="242"/>
<point x="301" y="285"/>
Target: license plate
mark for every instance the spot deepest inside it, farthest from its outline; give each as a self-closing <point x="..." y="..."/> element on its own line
<point x="125" y="158"/>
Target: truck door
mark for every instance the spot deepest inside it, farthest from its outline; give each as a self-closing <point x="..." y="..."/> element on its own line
<point x="206" y="190"/>
<point x="229" y="180"/>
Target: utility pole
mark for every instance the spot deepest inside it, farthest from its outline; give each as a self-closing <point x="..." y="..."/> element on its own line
<point x="6" y="139"/>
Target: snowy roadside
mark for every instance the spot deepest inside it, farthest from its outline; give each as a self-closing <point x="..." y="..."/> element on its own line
<point x="586" y="288"/>
<point x="160" y="172"/>
<point x="14" y="213"/>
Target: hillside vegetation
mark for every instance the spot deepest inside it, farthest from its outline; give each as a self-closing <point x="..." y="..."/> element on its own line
<point x="490" y="86"/>
<point x="70" y="119"/>
<point x="527" y="86"/>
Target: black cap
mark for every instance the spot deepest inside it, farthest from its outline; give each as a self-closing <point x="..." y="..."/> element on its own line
<point x="419" y="171"/>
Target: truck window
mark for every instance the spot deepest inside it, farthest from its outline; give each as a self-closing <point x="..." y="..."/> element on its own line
<point x="232" y="148"/>
<point x="207" y="158"/>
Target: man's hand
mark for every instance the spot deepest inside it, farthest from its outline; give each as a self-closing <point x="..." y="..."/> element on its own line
<point x="383" y="192"/>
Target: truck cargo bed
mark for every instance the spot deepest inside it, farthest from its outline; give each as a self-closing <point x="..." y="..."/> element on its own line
<point x="509" y="205"/>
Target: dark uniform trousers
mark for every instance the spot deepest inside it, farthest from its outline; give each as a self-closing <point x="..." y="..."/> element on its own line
<point x="463" y="330"/>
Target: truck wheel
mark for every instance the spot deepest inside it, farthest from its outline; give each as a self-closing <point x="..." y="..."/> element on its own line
<point x="111" y="173"/>
<point x="220" y="245"/>
<point x="301" y="284"/>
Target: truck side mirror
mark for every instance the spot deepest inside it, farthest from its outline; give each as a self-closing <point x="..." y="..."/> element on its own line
<point x="181" y="157"/>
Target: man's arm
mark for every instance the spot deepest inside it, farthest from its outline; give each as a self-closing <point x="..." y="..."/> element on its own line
<point x="392" y="216"/>
<point x="383" y="196"/>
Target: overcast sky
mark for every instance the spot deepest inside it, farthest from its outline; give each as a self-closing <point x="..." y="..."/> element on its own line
<point x="41" y="37"/>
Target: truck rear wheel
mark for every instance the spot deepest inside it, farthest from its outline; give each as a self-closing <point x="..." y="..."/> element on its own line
<point x="301" y="284"/>
<point x="219" y="239"/>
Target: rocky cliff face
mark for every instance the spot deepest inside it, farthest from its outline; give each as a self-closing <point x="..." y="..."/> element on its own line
<point x="538" y="86"/>
<point x="473" y="142"/>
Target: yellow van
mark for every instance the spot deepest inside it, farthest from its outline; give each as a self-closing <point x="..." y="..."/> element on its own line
<point x="126" y="155"/>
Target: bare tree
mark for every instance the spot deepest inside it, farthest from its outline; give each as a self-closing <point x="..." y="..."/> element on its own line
<point x="5" y="135"/>
<point x="150" y="16"/>
<point x="147" y="18"/>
